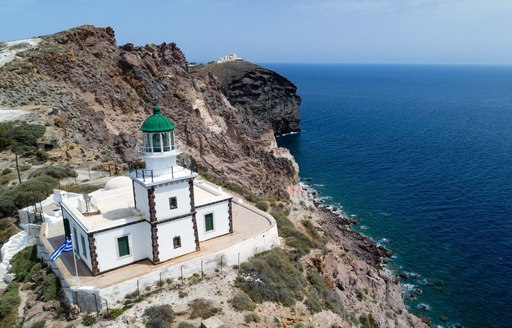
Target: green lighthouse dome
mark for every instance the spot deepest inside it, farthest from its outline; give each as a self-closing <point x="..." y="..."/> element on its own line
<point x="157" y="122"/>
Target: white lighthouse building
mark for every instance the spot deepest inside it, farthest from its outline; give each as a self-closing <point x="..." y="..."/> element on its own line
<point x="158" y="213"/>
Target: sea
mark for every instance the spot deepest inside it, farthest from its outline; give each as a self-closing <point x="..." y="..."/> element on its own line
<point x="421" y="156"/>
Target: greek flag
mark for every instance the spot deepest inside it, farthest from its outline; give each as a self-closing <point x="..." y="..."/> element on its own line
<point x="66" y="247"/>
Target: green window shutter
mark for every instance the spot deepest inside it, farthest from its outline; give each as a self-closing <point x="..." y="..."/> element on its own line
<point x="122" y="244"/>
<point x="173" y="203"/>
<point x="208" y="222"/>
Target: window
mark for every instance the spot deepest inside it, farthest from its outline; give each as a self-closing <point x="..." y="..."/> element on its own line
<point x="123" y="246"/>
<point x="165" y="141"/>
<point x="84" y="250"/>
<point x="156" y="143"/>
<point x="173" y="203"/>
<point x="176" y="241"/>
<point x="75" y="240"/>
<point x="208" y="222"/>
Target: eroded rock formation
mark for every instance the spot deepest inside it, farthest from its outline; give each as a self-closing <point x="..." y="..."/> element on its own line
<point x="264" y="93"/>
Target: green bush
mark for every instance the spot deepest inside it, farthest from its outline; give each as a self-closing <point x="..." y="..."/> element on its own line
<point x="82" y="188"/>
<point x="242" y="302"/>
<point x="367" y="321"/>
<point x="10" y="300"/>
<point x="6" y="171"/>
<point x="252" y="317"/>
<point x="273" y="276"/>
<point x="39" y="324"/>
<point x="262" y="205"/>
<point x="320" y="296"/>
<point x="23" y="262"/>
<point x="114" y="313"/>
<point x="185" y="324"/>
<point x="27" y="134"/>
<point x="6" y="132"/>
<point x="24" y="194"/>
<point x="51" y="287"/>
<point x="202" y="308"/>
<point x="292" y="236"/>
<point x="42" y="156"/>
<point x="159" y="316"/>
<point x="25" y="167"/>
<point x="88" y="320"/>
<point x="57" y="172"/>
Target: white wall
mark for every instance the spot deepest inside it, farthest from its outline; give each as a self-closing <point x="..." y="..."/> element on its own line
<point x="139" y="236"/>
<point x="220" y="220"/>
<point x="141" y="198"/>
<point x="167" y="231"/>
<point x="180" y="190"/>
<point x="241" y="251"/>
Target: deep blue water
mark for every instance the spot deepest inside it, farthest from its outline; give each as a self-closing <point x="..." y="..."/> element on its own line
<point x="423" y="156"/>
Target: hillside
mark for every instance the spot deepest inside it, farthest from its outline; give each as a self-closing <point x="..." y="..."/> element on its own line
<point x="93" y="95"/>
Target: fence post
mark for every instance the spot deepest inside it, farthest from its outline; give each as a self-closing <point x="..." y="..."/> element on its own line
<point x="182" y="279"/>
<point x="138" y="290"/>
<point x="96" y="303"/>
<point x="238" y="260"/>
<point x="202" y="271"/>
<point x="221" y="257"/>
<point x="108" y="312"/>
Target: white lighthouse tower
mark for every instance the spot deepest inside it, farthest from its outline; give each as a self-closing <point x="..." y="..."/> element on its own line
<point x="164" y="191"/>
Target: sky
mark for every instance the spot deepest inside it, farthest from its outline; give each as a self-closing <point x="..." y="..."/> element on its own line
<point x="287" y="31"/>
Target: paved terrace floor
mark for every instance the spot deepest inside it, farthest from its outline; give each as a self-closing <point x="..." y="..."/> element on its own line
<point x="246" y="224"/>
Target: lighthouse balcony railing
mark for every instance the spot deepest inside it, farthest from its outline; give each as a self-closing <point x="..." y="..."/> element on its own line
<point x="147" y="175"/>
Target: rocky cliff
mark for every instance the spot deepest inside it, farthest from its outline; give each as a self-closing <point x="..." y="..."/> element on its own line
<point x="267" y="95"/>
<point x="93" y="96"/>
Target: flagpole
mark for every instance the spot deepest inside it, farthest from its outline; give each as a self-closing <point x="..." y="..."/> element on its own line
<point x="74" y="260"/>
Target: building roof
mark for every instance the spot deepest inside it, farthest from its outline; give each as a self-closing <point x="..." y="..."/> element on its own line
<point x="157" y="122"/>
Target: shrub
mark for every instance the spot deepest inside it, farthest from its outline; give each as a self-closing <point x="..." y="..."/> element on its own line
<point x="182" y="294"/>
<point x="27" y="134"/>
<point x="367" y="321"/>
<point x="51" y="287"/>
<point x="262" y="205"/>
<point x="6" y="131"/>
<point x="6" y="171"/>
<point x="185" y="324"/>
<point x="273" y="276"/>
<point x="242" y="302"/>
<point x="23" y="262"/>
<point x="39" y="324"/>
<point x="24" y="194"/>
<point x="320" y="296"/>
<point x="82" y="188"/>
<point x="57" y="172"/>
<point x="42" y="156"/>
<point x="287" y="230"/>
<point x="202" y="308"/>
<point x="159" y="316"/>
<point x="10" y="300"/>
<point x="114" y="313"/>
<point x="25" y="167"/>
<point x="252" y="317"/>
<point x="88" y="320"/>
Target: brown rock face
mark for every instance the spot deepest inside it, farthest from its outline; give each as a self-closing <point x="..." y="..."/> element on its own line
<point x="100" y="93"/>
<point x="264" y="93"/>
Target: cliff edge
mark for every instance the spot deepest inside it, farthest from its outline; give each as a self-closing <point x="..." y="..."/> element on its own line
<point x="264" y="93"/>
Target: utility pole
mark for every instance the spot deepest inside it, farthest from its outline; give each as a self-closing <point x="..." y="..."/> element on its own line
<point x="17" y="164"/>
